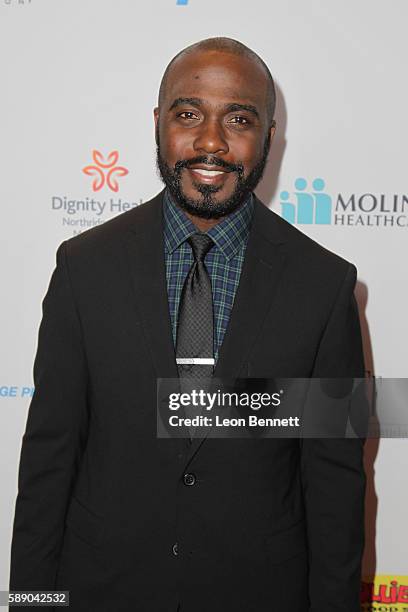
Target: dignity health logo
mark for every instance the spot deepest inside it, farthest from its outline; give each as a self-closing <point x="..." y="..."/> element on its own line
<point x="310" y="204"/>
<point x="104" y="171"/>
<point x="84" y="212"/>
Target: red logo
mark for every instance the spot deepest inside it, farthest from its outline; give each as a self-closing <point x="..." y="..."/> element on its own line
<point x="105" y="171"/>
<point x="385" y="590"/>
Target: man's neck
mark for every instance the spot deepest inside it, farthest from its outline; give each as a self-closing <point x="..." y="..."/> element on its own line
<point x="203" y="224"/>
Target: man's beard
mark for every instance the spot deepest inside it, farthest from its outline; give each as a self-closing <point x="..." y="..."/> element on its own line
<point x="207" y="207"/>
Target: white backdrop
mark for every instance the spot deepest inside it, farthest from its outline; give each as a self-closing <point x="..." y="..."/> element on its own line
<point x="83" y="75"/>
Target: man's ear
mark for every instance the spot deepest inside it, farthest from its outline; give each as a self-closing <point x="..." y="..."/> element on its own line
<point x="272" y="129"/>
<point x="156" y="121"/>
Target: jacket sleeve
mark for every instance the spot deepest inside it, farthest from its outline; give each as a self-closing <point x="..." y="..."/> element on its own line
<point x="54" y="436"/>
<point x="333" y="475"/>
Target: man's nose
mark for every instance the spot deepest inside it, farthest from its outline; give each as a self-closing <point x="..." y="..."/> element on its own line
<point x="211" y="137"/>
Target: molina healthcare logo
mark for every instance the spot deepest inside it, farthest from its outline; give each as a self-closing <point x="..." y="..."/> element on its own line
<point x="310" y="203"/>
<point x="314" y="207"/>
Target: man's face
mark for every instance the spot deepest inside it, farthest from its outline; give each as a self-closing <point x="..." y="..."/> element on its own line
<point x="212" y="132"/>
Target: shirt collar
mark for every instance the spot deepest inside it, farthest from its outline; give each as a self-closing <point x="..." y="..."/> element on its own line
<point x="228" y="235"/>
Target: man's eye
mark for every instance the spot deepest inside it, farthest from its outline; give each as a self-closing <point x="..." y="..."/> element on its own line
<point x="190" y="113"/>
<point x="240" y="120"/>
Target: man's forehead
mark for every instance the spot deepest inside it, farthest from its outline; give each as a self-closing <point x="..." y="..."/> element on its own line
<point x="234" y="74"/>
<point x="183" y="95"/>
<point x="216" y="79"/>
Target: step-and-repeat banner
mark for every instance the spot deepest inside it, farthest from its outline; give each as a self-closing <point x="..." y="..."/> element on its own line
<point x="79" y="82"/>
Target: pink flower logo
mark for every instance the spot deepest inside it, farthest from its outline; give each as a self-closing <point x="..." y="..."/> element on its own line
<point x="105" y="171"/>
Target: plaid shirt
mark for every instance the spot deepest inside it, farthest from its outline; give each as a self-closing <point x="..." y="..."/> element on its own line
<point x="224" y="261"/>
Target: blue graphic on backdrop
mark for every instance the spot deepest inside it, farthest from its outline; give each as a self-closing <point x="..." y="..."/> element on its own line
<point x="308" y="207"/>
<point x="182" y="2"/>
<point x="16" y="391"/>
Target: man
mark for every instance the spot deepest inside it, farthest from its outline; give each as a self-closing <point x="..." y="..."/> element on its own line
<point x="126" y="521"/>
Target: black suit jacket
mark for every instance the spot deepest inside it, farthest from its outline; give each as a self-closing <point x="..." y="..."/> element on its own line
<point x="269" y="524"/>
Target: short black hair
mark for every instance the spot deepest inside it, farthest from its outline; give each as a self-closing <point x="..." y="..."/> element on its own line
<point x="226" y="45"/>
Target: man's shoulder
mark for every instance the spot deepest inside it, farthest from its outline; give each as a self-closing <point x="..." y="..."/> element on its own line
<point x="302" y="251"/>
<point x="110" y="234"/>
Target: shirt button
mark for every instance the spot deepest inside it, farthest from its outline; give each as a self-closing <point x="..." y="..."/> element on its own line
<point x="189" y="479"/>
<point x="175" y="549"/>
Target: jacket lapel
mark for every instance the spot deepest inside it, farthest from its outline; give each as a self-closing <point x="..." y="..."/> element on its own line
<point x="144" y="243"/>
<point x="261" y="271"/>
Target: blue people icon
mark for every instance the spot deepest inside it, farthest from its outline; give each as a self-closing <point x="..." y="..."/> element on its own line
<point x="323" y="203"/>
<point x="288" y="209"/>
<point x="305" y="202"/>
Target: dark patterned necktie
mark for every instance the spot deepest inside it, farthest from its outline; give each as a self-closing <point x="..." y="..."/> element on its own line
<point x="195" y="325"/>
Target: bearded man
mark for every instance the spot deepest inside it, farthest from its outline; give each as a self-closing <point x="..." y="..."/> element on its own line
<point x="202" y="280"/>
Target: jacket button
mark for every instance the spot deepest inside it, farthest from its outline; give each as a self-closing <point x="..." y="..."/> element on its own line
<point x="189" y="479"/>
<point x="175" y="549"/>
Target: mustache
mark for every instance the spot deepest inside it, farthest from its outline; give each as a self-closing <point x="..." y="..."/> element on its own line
<point x="209" y="161"/>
